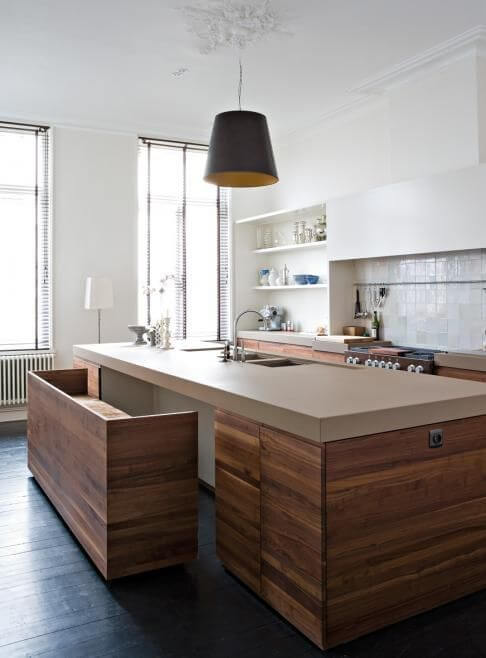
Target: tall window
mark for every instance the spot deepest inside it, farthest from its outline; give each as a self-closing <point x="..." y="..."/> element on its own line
<point x="183" y="241"/>
<point x="25" y="292"/>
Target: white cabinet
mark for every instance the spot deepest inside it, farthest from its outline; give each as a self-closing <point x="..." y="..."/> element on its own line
<point x="445" y="212"/>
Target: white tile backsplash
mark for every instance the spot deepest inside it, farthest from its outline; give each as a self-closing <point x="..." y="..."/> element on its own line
<point x="428" y="309"/>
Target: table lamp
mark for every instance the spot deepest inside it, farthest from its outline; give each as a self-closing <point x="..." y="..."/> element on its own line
<point x="99" y="295"/>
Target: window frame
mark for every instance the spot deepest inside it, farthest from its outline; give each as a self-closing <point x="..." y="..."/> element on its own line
<point x="224" y="241"/>
<point x="44" y="159"/>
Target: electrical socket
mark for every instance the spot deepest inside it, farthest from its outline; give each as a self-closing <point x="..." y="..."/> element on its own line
<point x="436" y="439"/>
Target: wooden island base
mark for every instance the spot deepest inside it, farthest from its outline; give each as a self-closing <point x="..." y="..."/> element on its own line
<point x="347" y="537"/>
<point x="126" y="486"/>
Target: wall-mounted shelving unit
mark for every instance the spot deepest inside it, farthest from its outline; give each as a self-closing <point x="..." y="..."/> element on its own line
<point x="267" y="240"/>
<point x="290" y="247"/>
<point x="292" y="287"/>
<point x="283" y="215"/>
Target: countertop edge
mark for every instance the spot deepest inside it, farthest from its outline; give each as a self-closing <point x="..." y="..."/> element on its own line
<point x="303" y="425"/>
<point x="461" y="361"/>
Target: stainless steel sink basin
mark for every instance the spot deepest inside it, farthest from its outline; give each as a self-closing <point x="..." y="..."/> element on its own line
<point x="256" y="356"/>
<point x="276" y="363"/>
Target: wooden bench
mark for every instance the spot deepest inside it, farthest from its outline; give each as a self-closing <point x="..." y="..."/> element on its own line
<point x="126" y="486"/>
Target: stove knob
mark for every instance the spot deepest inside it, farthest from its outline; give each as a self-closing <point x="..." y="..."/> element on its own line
<point x="356" y="361"/>
<point x="382" y="364"/>
<point x="349" y="359"/>
<point x="376" y="363"/>
<point x="389" y="365"/>
<point x="419" y="370"/>
<point x="411" y="368"/>
<point x="368" y="363"/>
<point x="396" y="366"/>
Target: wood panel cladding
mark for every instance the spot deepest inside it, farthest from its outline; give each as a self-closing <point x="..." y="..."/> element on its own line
<point x="406" y="524"/>
<point x="126" y="487"/>
<point x="328" y="357"/>
<point x="461" y="373"/>
<point x="292" y="538"/>
<point x="238" y="446"/>
<point x="238" y="496"/>
<point x="249" y="344"/>
<point x="94" y="376"/>
<point x="238" y="527"/>
<point x="281" y="349"/>
<point x="353" y="535"/>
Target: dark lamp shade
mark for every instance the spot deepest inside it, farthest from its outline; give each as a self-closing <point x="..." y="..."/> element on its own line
<point x="240" y="151"/>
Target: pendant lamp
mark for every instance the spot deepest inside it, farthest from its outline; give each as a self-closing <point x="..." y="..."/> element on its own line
<point x="240" y="150"/>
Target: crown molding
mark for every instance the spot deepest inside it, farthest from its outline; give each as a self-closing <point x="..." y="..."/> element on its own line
<point x="471" y="42"/>
<point x="177" y="133"/>
<point x="339" y="114"/>
<point x="371" y="90"/>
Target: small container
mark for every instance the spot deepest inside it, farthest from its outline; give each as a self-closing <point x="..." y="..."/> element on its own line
<point x="273" y="277"/>
<point x="353" y="331"/>
<point x="267" y="236"/>
<point x="283" y="326"/>
<point x="263" y="276"/>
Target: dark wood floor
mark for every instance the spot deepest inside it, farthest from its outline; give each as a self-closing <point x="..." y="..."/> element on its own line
<point x="54" y="604"/>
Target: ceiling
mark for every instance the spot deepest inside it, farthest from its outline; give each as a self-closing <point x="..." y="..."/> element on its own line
<point x="109" y="63"/>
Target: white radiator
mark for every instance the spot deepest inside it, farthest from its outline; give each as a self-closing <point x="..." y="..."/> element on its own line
<point x="13" y="375"/>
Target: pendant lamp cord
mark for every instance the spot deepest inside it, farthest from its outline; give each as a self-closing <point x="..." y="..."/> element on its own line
<point x="240" y="85"/>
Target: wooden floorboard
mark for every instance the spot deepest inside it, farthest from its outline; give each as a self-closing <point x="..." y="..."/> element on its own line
<point x="54" y="604"/>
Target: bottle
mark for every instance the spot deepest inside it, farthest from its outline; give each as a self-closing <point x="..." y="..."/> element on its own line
<point x="375" y="326"/>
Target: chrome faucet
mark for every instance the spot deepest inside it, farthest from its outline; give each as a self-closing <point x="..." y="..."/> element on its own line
<point x="235" y="330"/>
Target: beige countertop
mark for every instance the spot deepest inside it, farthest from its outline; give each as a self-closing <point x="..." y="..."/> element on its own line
<point x="322" y="402"/>
<point x="467" y="360"/>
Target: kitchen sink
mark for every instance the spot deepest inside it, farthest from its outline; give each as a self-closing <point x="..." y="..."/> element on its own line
<point x="277" y="363"/>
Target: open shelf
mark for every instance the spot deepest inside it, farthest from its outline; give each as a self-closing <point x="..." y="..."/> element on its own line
<point x="279" y="215"/>
<point x="305" y="286"/>
<point x="290" y="247"/>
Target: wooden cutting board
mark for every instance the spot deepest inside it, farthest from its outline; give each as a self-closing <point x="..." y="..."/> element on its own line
<point x="392" y="351"/>
<point x="347" y="339"/>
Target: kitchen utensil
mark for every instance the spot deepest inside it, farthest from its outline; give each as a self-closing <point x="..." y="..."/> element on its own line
<point x="357" y="305"/>
<point x="303" y="279"/>
<point x="300" y="279"/>
<point x="311" y="279"/>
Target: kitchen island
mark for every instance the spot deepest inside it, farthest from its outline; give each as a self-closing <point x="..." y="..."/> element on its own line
<point x="348" y="498"/>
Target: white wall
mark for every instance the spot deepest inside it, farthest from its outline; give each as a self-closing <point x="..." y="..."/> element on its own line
<point x="481" y="80"/>
<point x="94" y="233"/>
<point x="432" y="122"/>
<point x="336" y="157"/>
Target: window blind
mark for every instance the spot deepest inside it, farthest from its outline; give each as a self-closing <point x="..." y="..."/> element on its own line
<point x="184" y="240"/>
<point x="25" y="277"/>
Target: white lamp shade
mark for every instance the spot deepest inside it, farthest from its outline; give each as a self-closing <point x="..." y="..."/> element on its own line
<point x="99" y="293"/>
